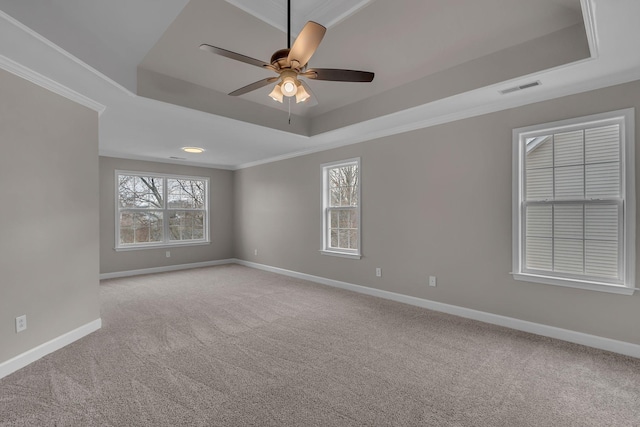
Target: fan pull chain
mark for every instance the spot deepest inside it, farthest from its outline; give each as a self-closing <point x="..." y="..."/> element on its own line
<point x="289" y="98"/>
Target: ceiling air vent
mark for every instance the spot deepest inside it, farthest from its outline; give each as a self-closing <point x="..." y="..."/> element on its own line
<point x="177" y="158"/>
<point x="521" y="87"/>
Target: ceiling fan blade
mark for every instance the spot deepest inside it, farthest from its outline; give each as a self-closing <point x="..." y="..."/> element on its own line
<point x="336" y="75"/>
<point x="307" y="42"/>
<point x="234" y="55"/>
<point x="253" y="86"/>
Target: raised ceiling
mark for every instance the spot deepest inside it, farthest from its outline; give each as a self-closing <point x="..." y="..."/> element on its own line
<point x="400" y="41"/>
<point x="435" y="61"/>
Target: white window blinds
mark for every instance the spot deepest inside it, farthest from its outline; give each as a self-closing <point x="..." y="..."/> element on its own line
<point x="572" y="200"/>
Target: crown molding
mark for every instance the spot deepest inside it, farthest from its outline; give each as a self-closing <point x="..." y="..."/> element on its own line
<point x="61" y="51"/>
<point x="41" y="80"/>
<point x="359" y="133"/>
<point x="46" y="83"/>
<point x="589" y="18"/>
<point x="168" y="160"/>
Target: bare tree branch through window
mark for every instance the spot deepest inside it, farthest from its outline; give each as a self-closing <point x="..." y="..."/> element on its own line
<point x="159" y="209"/>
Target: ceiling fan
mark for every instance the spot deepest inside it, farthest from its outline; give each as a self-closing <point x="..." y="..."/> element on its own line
<point x="290" y="64"/>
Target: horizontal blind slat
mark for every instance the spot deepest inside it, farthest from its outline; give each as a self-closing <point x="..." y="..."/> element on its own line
<point x="568" y="256"/>
<point x="568" y="221"/>
<point x="601" y="259"/>
<point x="569" y="148"/>
<point x="601" y="222"/>
<point x="602" y="144"/>
<point x="569" y="182"/>
<point x="539" y="184"/>
<point x="538" y="253"/>
<point x="603" y="180"/>
<point x="538" y="221"/>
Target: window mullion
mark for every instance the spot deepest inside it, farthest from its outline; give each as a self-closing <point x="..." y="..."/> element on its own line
<point x="584" y="205"/>
<point x="553" y="205"/>
<point x="165" y="213"/>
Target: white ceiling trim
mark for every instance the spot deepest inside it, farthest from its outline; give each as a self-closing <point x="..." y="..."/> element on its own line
<point x="45" y="82"/>
<point x="185" y="162"/>
<point x="460" y="115"/>
<point x="357" y="133"/>
<point x="60" y="50"/>
<point x="589" y="17"/>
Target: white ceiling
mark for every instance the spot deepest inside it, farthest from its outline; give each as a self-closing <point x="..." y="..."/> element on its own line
<point x="88" y="51"/>
<point x="112" y="36"/>
<point x="275" y="13"/>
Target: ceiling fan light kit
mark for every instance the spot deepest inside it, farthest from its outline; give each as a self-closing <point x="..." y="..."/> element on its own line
<point x="301" y="94"/>
<point x="276" y="94"/>
<point x="288" y="85"/>
<point x="291" y="64"/>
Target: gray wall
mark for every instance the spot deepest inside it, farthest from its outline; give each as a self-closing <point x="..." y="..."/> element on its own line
<point x="220" y="209"/>
<point x="543" y="53"/>
<point x="49" y="215"/>
<point x="436" y="201"/>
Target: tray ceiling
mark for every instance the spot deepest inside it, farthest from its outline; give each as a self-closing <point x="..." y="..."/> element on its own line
<point x="435" y="61"/>
<point x="401" y="42"/>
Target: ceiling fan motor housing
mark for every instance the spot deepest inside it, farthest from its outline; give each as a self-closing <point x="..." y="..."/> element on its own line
<point x="280" y="59"/>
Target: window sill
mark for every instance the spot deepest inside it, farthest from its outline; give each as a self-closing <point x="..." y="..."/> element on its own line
<point x="591" y="286"/>
<point x="341" y="254"/>
<point x="160" y="246"/>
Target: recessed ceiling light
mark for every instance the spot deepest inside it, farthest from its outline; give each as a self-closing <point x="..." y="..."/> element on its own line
<point x="194" y="150"/>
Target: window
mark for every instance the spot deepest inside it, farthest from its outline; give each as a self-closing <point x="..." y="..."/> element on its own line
<point x="574" y="203"/>
<point x="159" y="210"/>
<point x="341" y="208"/>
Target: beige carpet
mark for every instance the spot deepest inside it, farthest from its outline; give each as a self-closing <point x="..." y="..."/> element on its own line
<point x="233" y="346"/>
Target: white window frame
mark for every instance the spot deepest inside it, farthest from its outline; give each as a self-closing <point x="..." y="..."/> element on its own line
<point x="166" y="243"/>
<point x="326" y="249"/>
<point x="627" y="224"/>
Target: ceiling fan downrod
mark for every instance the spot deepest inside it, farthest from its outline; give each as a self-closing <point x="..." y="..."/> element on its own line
<point x="288" y="24"/>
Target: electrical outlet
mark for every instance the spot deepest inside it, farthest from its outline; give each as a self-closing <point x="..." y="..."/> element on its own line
<point x="168" y="254"/>
<point x="21" y="323"/>
<point x="432" y="281"/>
<point x="255" y="252"/>
<point x="378" y="272"/>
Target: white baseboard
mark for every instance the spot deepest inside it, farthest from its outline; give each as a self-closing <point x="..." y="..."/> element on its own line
<point x="164" y="269"/>
<point x="622" y="347"/>
<point x="30" y="356"/>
